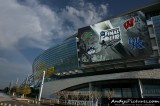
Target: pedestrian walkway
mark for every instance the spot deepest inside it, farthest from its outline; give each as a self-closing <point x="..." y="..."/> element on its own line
<point x="6" y="100"/>
<point x="4" y="97"/>
<point x="20" y="103"/>
<point x="16" y="103"/>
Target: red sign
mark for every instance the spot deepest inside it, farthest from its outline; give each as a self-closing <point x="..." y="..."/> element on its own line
<point x="129" y="23"/>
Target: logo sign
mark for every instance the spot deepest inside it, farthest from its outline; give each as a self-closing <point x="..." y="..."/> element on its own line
<point x="91" y="51"/>
<point x="86" y="36"/>
<point x="110" y="36"/>
<point x="136" y="43"/>
<point x="129" y="23"/>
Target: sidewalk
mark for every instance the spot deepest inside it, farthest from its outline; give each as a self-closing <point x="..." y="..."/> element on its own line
<point x="4" y="97"/>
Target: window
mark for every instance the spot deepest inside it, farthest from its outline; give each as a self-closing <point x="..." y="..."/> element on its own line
<point x="117" y="92"/>
<point x="126" y="92"/>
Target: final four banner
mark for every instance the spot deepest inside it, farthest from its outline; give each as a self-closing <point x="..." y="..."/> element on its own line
<point x="124" y="37"/>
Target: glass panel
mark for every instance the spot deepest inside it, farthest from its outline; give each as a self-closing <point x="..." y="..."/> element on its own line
<point x="126" y="92"/>
<point x="117" y="92"/>
<point x="151" y="89"/>
<point x="156" y="23"/>
<point x="62" y="57"/>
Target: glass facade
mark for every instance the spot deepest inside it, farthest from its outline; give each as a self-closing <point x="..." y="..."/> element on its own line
<point x="151" y="88"/>
<point x="156" y="23"/>
<point x="62" y="57"/>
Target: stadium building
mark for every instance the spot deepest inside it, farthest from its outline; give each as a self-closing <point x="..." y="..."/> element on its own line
<point x="120" y="54"/>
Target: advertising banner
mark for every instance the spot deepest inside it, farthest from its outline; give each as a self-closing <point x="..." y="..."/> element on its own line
<point x="123" y="37"/>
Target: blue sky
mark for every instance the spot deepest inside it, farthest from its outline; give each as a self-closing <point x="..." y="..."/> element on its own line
<point x="27" y="27"/>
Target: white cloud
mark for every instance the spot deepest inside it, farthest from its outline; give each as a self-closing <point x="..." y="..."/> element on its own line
<point x="84" y="14"/>
<point x="31" y="23"/>
<point x="34" y="24"/>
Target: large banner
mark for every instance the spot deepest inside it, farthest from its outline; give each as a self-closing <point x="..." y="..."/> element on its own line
<point x="124" y="37"/>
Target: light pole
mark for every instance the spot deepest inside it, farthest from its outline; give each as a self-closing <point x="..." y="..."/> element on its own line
<point x="40" y="93"/>
<point x="140" y="87"/>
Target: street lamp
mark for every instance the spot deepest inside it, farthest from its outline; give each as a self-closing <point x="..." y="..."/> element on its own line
<point x="40" y="93"/>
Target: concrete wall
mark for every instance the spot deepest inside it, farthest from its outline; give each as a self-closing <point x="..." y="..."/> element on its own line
<point x="55" y="86"/>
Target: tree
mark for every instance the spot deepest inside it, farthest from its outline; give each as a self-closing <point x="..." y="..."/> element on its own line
<point x="97" y="96"/>
<point x="109" y="95"/>
<point x="14" y="90"/>
<point x="59" y="95"/>
<point x="24" y="90"/>
<point x="34" y="92"/>
<point x="6" y="89"/>
<point x="65" y="95"/>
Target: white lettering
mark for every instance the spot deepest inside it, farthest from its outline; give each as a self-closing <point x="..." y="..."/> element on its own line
<point x="110" y="36"/>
